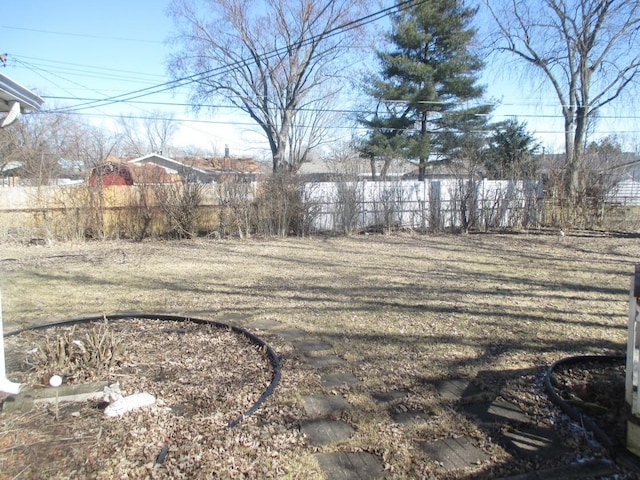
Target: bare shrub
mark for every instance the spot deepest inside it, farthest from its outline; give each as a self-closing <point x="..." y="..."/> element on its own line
<point x="347" y="193"/>
<point x="348" y="200"/>
<point x="279" y="206"/>
<point x="140" y="211"/>
<point x="236" y="212"/>
<point x="464" y="204"/>
<point x="92" y="217"/>
<point x="78" y="356"/>
<point x="179" y="201"/>
<point x="388" y="204"/>
<point x="310" y="210"/>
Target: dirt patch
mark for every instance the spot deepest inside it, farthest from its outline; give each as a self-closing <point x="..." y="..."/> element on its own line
<point x="596" y="389"/>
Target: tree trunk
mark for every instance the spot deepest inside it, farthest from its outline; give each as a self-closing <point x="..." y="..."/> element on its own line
<point x="422" y="169"/>
<point x="282" y="143"/>
<point x="578" y="149"/>
<point x="385" y="169"/>
<point x="372" y="161"/>
<point x="574" y="138"/>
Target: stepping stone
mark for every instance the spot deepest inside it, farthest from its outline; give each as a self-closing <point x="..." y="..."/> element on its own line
<point x="290" y="334"/>
<point x="457" y="389"/>
<point x="312" y="346"/>
<point x="324" y="361"/>
<point x="323" y="431"/>
<point x="336" y="380"/>
<point x="390" y="396"/>
<point x="454" y="453"/>
<point x="264" y="324"/>
<point x="321" y="405"/>
<point x="350" y="466"/>
<point x="232" y="317"/>
<point x="532" y="441"/>
<point x="498" y="411"/>
<point x="409" y="419"/>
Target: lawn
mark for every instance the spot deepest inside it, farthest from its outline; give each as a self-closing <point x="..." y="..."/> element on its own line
<point x="404" y="311"/>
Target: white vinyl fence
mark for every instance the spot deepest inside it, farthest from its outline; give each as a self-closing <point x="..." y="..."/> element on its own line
<point x="432" y="204"/>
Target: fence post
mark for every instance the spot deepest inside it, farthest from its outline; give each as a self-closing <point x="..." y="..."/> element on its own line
<point x="633" y="365"/>
<point x="633" y="344"/>
<point x="6" y="385"/>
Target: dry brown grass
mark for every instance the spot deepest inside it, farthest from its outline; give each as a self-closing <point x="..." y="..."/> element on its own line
<point x="405" y="311"/>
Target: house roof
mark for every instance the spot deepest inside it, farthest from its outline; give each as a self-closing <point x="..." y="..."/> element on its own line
<point x="204" y="166"/>
<point x="15" y="99"/>
<point x="217" y="164"/>
<point x="615" y="162"/>
<point x="352" y="166"/>
<point x="12" y="91"/>
<point x="169" y="164"/>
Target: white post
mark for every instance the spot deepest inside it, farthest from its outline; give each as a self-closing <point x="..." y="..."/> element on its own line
<point x="632" y="396"/>
<point x="6" y="385"/>
<point x="633" y="348"/>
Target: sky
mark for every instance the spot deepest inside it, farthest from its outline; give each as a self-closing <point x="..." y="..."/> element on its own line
<point x="85" y="49"/>
<point x="71" y="50"/>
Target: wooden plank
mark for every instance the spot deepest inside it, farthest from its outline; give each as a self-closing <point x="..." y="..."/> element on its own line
<point x="25" y="400"/>
<point x="633" y="437"/>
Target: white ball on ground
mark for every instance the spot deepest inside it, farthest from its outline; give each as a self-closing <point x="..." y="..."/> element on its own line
<point x="55" y="381"/>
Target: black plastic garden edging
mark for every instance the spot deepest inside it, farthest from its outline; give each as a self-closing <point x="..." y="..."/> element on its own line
<point x="275" y="361"/>
<point x="569" y="409"/>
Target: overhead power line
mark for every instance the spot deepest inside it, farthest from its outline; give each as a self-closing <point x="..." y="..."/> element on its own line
<point x="85" y="71"/>
<point x="189" y="79"/>
<point x="81" y="35"/>
<point x="603" y="131"/>
<point x="557" y="115"/>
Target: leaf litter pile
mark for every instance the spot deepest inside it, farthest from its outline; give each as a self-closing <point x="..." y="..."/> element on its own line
<point x="203" y="377"/>
<point x="597" y="390"/>
<point x="405" y="312"/>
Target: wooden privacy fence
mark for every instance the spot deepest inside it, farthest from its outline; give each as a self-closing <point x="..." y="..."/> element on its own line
<point x="83" y="211"/>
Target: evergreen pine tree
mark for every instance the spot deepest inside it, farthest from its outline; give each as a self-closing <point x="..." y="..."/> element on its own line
<point x="427" y="76"/>
<point x="512" y="151"/>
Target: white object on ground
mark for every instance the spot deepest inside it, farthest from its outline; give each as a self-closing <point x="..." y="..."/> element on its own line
<point x="55" y="381"/>
<point x="112" y="393"/>
<point x="6" y="385"/>
<point x="128" y="403"/>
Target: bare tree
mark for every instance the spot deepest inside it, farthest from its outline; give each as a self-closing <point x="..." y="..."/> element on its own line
<point x="147" y="134"/>
<point x="38" y="142"/>
<point x="91" y="145"/>
<point x="588" y="50"/>
<point x="269" y="58"/>
<point x="309" y="130"/>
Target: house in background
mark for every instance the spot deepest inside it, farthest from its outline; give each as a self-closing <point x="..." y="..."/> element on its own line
<point x="110" y="174"/>
<point x="354" y="167"/>
<point x="197" y="169"/>
<point x="625" y="175"/>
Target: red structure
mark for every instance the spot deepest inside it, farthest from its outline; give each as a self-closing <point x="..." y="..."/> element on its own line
<point x="110" y="174"/>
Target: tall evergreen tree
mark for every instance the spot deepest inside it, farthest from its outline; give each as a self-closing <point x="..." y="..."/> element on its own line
<point x="512" y="151"/>
<point x="427" y="76"/>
